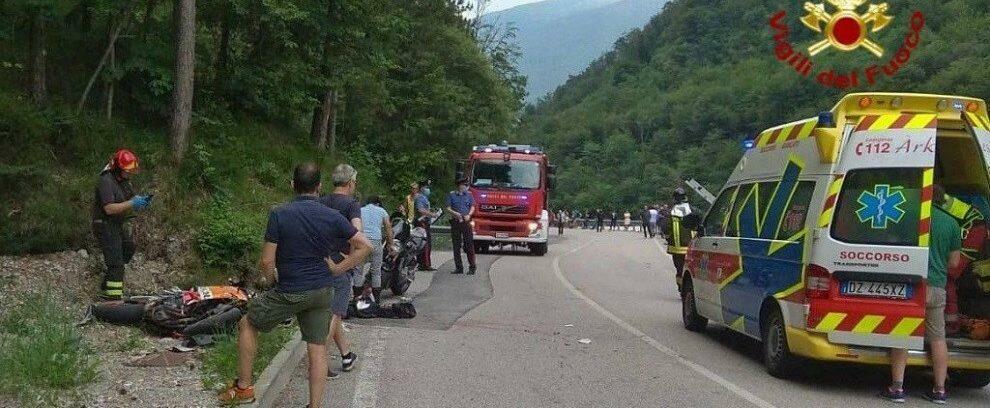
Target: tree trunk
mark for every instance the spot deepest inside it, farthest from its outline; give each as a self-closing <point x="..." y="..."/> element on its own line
<point x="332" y="133"/>
<point x="325" y="121"/>
<point x="106" y="55"/>
<point x="110" y="82"/>
<point x="149" y="9"/>
<point x="185" y="64"/>
<point x="39" y="56"/>
<point x="223" y="56"/>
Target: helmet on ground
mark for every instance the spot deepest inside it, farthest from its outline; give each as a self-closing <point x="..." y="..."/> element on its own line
<point x="124" y="160"/>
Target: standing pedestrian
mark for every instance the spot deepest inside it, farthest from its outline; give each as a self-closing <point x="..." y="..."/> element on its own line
<point x="460" y="203"/>
<point x="561" y="219"/>
<point x="626" y="220"/>
<point x="375" y="221"/>
<point x="654" y="218"/>
<point x="614" y="223"/>
<point x="423" y="219"/>
<point x="113" y="205"/>
<point x="943" y="253"/>
<point x="679" y="230"/>
<point x="599" y="220"/>
<point x="341" y="199"/>
<point x="644" y="219"/>
<point x="300" y="237"/>
<point x="409" y="205"/>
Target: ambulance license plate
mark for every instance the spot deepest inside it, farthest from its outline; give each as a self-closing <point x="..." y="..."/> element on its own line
<point x="501" y="235"/>
<point x="877" y="289"/>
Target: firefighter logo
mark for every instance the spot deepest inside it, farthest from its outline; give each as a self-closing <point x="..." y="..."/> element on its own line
<point x="846" y="29"/>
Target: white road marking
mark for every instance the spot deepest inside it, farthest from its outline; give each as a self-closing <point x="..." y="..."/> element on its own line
<point x="369" y="379"/>
<point x="735" y="389"/>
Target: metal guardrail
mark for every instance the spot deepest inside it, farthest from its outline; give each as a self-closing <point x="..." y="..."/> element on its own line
<point x="579" y="223"/>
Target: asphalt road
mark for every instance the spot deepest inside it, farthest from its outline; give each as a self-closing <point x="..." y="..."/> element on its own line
<point x="510" y="337"/>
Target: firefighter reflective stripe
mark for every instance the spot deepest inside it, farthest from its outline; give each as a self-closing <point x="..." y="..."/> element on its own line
<point x="830" y="321"/>
<point x="676" y="244"/>
<point x="906" y="326"/>
<point x="113" y="288"/>
<point x="833" y="196"/>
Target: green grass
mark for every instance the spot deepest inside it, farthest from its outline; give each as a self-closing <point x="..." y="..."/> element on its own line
<point x="45" y="360"/>
<point x="134" y="340"/>
<point x="220" y="360"/>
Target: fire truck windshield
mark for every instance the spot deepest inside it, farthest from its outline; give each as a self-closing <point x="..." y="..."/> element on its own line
<point x="507" y="174"/>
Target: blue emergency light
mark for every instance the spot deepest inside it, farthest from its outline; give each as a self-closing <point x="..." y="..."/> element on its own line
<point x="826" y="119"/>
<point x="748" y="144"/>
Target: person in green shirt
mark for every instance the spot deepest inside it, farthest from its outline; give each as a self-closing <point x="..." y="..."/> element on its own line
<point x="944" y="252"/>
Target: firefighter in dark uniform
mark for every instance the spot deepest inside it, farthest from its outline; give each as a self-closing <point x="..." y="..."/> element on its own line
<point x="460" y="203"/>
<point x="679" y="230"/>
<point x="114" y="203"/>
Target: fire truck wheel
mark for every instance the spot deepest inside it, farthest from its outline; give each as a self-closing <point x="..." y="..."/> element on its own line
<point x="969" y="378"/>
<point x="538" y="249"/>
<point x="777" y="355"/>
<point x="480" y="247"/>
<point x="689" y="311"/>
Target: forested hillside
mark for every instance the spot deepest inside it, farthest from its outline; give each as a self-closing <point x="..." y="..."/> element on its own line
<point x="558" y="38"/>
<point x="674" y="100"/>
<point x="396" y="87"/>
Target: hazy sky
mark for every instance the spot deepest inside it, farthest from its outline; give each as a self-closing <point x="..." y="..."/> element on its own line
<point x="497" y="5"/>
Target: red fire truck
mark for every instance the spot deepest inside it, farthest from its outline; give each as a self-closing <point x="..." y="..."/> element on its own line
<point x="510" y="185"/>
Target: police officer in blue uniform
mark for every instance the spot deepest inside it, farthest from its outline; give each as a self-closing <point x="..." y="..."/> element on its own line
<point x="460" y="203"/>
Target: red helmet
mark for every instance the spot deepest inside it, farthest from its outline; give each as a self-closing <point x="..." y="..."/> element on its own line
<point x="125" y="160"/>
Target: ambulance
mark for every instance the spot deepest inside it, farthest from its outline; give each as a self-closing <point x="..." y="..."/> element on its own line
<point x="817" y="246"/>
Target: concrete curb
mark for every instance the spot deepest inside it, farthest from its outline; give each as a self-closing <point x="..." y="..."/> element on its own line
<point x="273" y="380"/>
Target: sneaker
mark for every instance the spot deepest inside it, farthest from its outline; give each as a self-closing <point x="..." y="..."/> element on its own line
<point x="332" y="374"/>
<point x="937" y="397"/>
<point x="235" y="395"/>
<point x="472" y="270"/>
<point x="347" y="361"/>
<point x="897" y="396"/>
<point x="457" y="271"/>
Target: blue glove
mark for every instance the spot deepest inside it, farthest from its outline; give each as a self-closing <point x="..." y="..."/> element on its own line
<point x="140" y="202"/>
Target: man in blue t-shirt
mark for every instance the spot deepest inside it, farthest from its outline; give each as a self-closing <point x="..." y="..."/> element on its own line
<point x="304" y="248"/>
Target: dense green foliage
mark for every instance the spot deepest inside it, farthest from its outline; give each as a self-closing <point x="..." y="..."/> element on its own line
<point x="674" y="100"/>
<point x="415" y="89"/>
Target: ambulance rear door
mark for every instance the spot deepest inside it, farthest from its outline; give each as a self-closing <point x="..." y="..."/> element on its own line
<point x="872" y="258"/>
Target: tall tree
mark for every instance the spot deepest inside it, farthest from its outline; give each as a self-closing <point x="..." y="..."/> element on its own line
<point x="185" y="65"/>
<point x="39" y="57"/>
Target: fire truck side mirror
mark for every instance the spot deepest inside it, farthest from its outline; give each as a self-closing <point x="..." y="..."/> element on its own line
<point x="552" y="169"/>
<point x="551" y="182"/>
<point x="459" y="167"/>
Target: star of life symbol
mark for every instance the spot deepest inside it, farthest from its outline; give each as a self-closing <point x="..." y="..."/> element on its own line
<point x="846" y="29"/>
<point x="881" y="206"/>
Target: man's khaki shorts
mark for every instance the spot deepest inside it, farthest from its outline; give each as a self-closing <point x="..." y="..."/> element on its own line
<point x="935" y="314"/>
<point x="311" y="309"/>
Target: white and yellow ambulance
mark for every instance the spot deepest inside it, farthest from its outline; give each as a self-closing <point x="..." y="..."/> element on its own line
<point x="817" y="245"/>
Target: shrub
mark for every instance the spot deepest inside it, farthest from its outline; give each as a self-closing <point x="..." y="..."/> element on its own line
<point x="44" y="358"/>
<point x="230" y="239"/>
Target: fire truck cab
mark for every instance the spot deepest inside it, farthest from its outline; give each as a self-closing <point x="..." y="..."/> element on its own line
<point x="510" y="185"/>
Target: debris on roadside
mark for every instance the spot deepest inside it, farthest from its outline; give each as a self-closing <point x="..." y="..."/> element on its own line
<point x="585" y="341"/>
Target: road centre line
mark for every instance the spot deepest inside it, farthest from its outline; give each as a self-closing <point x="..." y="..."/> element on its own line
<point x="369" y="379"/>
<point x="735" y="389"/>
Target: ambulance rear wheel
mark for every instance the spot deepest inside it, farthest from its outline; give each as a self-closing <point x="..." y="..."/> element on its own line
<point x="969" y="378"/>
<point x="689" y="310"/>
<point x="777" y="357"/>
